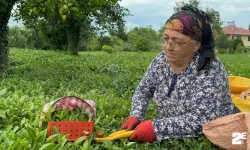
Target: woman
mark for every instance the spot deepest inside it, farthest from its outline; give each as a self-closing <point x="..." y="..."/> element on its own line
<point x="189" y="85"/>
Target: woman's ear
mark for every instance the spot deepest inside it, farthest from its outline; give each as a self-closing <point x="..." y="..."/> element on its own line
<point x="196" y="45"/>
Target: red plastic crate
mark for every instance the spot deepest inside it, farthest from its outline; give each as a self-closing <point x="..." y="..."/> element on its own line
<point x="74" y="128"/>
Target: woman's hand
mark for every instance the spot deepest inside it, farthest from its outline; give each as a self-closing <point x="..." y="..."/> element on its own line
<point x="144" y="132"/>
<point x="130" y="124"/>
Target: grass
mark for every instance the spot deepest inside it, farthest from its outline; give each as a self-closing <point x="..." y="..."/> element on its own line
<point x="236" y="64"/>
<point x="37" y="77"/>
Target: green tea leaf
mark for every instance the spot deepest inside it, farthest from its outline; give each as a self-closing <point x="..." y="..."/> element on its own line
<point x="46" y="146"/>
<point x="3" y="91"/>
<point x="56" y="131"/>
<point x="24" y="143"/>
<point x="80" y="140"/>
<point x="42" y="136"/>
<point x="63" y="140"/>
<point x="31" y="132"/>
<point x="52" y="137"/>
<point x="130" y="144"/>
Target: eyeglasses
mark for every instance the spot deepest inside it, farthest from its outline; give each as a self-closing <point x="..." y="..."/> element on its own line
<point x="174" y="44"/>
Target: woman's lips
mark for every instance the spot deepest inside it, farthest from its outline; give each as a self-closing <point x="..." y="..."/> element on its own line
<point x="170" y="55"/>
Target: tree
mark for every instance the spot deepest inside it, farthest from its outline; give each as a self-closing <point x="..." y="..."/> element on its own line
<point x="17" y="38"/>
<point x="5" y="12"/>
<point x="214" y="15"/>
<point x="21" y="38"/>
<point x="54" y="34"/>
<point x="161" y="31"/>
<point x="73" y="14"/>
<point x="237" y="42"/>
<point x="240" y="48"/>
<point x="71" y="17"/>
<point x="105" y="40"/>
<point x="144" y="38"/>
<point x="222" y="42"/>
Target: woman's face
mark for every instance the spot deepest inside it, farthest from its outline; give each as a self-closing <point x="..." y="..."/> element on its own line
<point x="178" y="47"/>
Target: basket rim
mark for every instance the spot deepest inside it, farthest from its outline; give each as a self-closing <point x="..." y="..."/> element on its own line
<point x="70" y="122"/>
<point x="89" y="106"/>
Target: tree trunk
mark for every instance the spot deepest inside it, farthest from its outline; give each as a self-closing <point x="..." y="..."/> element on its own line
<point x="4" y="18"/>
<point x="74" y="36"/>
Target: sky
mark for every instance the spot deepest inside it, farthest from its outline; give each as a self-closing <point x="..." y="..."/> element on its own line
<point x="155" y="12"/>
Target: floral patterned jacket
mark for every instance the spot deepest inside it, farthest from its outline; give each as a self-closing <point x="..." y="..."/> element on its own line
<point x="184" y="101"/>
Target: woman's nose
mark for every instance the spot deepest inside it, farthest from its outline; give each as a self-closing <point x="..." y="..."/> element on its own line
<point x="169" y="46"/>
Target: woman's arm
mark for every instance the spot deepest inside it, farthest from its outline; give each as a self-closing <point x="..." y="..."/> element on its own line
<point x="144" y="92"/>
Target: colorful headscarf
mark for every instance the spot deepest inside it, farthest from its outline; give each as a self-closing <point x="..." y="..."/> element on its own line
<point x="195" y="24"/>
<point x="187" y="23"/>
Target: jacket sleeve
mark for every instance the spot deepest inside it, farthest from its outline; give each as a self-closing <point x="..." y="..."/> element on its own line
<point x="208" y="97"/>
<point x="144" y="92"/>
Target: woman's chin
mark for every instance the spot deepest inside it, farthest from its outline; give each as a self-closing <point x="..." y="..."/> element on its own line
<point x="170" y="58"/>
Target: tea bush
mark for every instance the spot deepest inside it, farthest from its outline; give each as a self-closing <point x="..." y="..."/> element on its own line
<point x="35" y="78"/>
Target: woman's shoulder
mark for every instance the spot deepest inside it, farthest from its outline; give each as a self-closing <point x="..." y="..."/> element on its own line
<point x="216" y="71"/>
<point x="216" y="74"/>
<point x="160" y="58"/>
<point x="217" y="65"/>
